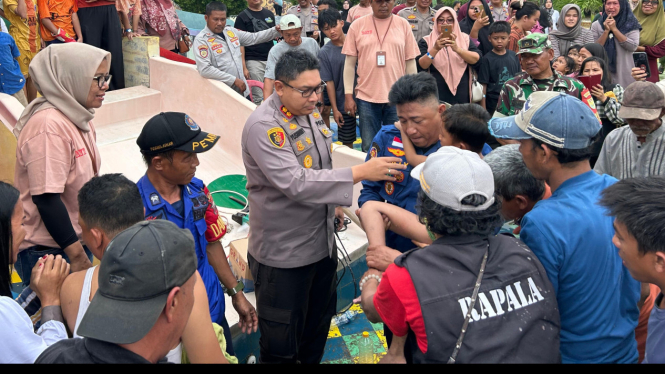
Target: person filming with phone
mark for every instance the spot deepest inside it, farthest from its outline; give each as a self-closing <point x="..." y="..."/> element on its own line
<point x="651" y="16"/>
<point x="447" y="53"/>
<point x="619" y="32"/>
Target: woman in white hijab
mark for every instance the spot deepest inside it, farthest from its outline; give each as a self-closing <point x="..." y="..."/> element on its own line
<point x="56" y="151"/>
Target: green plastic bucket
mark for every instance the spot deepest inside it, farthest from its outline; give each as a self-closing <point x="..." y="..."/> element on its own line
<point x="231" y="182"/>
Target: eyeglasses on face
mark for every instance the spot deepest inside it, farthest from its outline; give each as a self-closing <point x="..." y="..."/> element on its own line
<point x="102" y="79"/>
<point x="653" y="2"/>
<point x="308" y="92"/>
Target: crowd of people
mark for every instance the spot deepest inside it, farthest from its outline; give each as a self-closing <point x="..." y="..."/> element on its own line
<point x="514" y="174"/>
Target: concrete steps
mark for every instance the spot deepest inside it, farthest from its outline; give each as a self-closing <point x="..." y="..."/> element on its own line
<point x="119" y="122"/>
<point x="128" y="104"/>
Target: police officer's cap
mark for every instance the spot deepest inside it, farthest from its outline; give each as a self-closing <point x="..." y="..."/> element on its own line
<point x="173" y="130"/>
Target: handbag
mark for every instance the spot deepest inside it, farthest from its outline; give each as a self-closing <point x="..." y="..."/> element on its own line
<point x="476" y="88"/>
<point x="184" y="42"/>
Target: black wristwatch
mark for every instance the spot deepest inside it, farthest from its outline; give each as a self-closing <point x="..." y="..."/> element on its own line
<point x="128" y="31"/>
<point x="238" y="288"/>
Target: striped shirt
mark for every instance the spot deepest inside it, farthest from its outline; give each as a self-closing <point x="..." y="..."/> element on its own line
<point x="623" y="156"/>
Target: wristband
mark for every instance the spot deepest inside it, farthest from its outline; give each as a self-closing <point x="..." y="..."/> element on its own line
<point x="368" y="277"/>
<point x="429" y="55"/>
<point x="129" y="30"/>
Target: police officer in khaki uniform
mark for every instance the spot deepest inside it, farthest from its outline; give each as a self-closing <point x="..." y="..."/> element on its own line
<point x="420" y="17"/>
<point x="308" y="14"/>
<point x="294" y="196"/>
<point x="217" y="48"/>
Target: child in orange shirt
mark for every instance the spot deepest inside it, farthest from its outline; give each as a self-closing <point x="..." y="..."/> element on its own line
<point x="59" y="21"/>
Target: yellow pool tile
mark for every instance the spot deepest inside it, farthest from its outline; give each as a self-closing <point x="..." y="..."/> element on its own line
<point x="334" y="332"/>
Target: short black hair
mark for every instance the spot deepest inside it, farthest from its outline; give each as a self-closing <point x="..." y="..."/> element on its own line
<point x="467" y="123"/>
<point x="570" y="64"/>
<point x="110" y="202"/>
<point x="147" y="159"/>
<point x="411" y="88"/>
<point x="567" y="156"/>
<point x="526" y="9"/>
<point x="639" y="204"/>
<point x="499" y="26"/>
<point x="445" y="221"/>
<point x="329" y="17"/>
<point x="293" y="63"/>
<point x="331" y="3"/>
<point x="575" y="47"/>
<point x="216" y="5"/>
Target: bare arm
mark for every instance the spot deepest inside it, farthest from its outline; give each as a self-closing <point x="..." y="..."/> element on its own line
<point x="49" y="26"/>
<point x="77" y="27"/>
<point x="125" y="20"/>
<point x="367" y="297"/>
<point x="217" y="259"/>
<point x="21" y="9"/>
<point x="135" y="22"/>
<point x="402" y="222"/>
<point x="267" y="87"/>
<point x="199" y="339"/>
<point x="410" y="151"/>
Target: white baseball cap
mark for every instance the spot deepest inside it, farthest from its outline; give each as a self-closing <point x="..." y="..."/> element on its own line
<point x="286" y="20"/>
<point x="451" y="174"/>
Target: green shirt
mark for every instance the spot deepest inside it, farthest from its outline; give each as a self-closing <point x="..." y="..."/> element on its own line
<point x="517" y="90"/>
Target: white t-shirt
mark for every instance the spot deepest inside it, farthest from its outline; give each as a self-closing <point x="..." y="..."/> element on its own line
<point x="18" y="342"/>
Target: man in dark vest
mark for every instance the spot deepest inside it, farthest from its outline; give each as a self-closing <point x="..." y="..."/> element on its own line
<point x="470" y="296"/>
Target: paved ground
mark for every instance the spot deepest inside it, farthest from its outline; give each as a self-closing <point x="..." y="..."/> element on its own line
<point x="342" y="346"/>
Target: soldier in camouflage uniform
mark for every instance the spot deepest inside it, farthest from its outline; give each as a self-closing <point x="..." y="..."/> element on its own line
<point x="536" y="53"/>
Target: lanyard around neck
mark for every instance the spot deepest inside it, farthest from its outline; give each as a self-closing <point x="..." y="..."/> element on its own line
<point x="384" y="35"/>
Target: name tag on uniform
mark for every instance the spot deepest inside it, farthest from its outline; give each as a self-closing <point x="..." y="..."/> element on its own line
<point x="380" y="58"/>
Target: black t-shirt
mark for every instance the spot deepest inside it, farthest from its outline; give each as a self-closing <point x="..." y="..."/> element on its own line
<point x="495" y="70"/>
<point x="89" y="351"/>
<point x="257" y="52"/>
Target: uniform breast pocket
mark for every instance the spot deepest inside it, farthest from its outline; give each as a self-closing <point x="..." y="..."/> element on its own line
<point x="414" y="25"/>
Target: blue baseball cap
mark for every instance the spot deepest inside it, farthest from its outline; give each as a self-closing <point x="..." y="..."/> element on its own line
<point x="554" y="118"/>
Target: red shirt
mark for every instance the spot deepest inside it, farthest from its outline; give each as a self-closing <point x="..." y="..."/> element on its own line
<point x="397" y="303"/>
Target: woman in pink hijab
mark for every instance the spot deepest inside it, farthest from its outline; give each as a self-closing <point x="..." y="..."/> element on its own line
<point x="449" y="60"/>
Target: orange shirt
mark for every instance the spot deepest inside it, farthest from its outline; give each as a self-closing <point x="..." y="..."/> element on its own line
<point x="362" y="41"/>
<point x="23" y="30"/>
<point x="60" y="13"/>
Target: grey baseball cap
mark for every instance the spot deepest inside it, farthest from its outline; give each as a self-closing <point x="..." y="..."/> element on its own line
<point x="141" y="266"/>
<point x="642" y="100"/>
<point x="451" y="174"/>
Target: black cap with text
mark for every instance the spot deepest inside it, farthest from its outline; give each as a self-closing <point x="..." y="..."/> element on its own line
<point x="174" y="130"/>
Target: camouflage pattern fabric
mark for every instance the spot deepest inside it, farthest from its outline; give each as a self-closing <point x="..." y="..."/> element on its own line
<point x="516" y="91"/>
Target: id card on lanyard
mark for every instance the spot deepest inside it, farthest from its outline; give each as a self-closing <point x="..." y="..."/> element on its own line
<point x="381" y="54"/>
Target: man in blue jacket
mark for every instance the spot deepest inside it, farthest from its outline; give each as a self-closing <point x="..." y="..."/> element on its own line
<point x="570" y="233"/>
<point x="170" y="143"/>
<point x="419" y="112"/>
